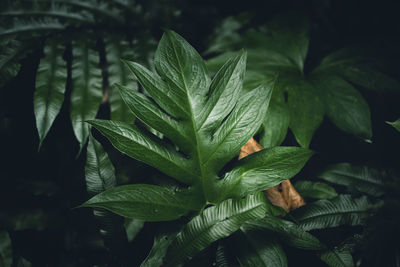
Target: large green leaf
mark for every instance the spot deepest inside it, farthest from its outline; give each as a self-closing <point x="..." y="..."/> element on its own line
<point x="345" y="106"/>
<point x="337" y="258"/>
<point x="208" y="121"/>
<point x="395" y="124"/>
<point x="146" y="202"/>
<point x="212" y="224"/>
<point x="264" y="169"/>
<point x="325" y="213"/>
<point x="361" y="178"/>
<point x="284" y="231"/>
<point x="51" y="78"/>
<point x="315" y="190"/>
<point x="119" y="73"/>
<point x="86" y="89"/>
<point x="6" y="254"/>
<point x="255" y="249"/>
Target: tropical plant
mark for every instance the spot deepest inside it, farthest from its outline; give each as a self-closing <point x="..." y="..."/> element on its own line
<point x="208" y="122"/>
<point x="88" y="67"/>
<point x="303" y="96"/>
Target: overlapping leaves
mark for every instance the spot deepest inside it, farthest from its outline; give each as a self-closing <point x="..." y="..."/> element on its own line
<point x="208" y="122"/>
<point x="327" y="90"/>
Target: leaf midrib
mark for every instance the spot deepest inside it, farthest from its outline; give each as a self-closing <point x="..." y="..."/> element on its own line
<point x="196" y="135"/>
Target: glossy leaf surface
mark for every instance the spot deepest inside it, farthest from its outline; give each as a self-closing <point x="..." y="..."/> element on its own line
<point x="145" y="202"/>
<point x="264" y="169"/>
<point x="213" y="224"/>
<point x="207" y="120"/>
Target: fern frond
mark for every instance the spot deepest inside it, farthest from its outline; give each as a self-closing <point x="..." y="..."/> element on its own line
<point x="9" y="55"/>
<point x="32" y="26"/>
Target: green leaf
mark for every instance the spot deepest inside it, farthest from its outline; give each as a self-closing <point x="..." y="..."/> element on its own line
<point x="325" y="213"/>
<point x="345" y="106"/>
<point x="51" y="78"/>
<point x="243" y="122"/>
<point x="99" y="171"/>
<point x="362" y="178"/>
<point x="253" y="249"/>
<point x="395" y="124"/>
<point x="315" y="190"/>
<point x="207" y="121"/>
<point x="162" y="240"/>
<point x="264" y="169"/>
<point x="337" y="258"/>
<point x="100" y="176"/>
<point x="10" y="52"/>
<point x="276" y="121"/>
<point x="221" y="255"/>
<point x="146" y="147"/>
<point x="184" y="69"/>
<point x="145" y="202"/>
<point x="306" y="111"/>
<point x="132" y="228"/>
<point x="285" y="231"/>
<point x="6" y="253"/>
<point x="86" y="89"/>
<point x="212" y="224"/>
<point x="119" y="73"/>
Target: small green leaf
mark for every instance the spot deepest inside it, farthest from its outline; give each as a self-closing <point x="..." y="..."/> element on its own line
<point x="255" y="249"/>
<point x="213" y="224"/>
<point x="395" y="124"/>
<point x="362" y="178"/>
<point x="51" y="78"/>
<point x="6" y="253"/>
<point x="86" y="89"/>
<point x="145" y="202"/>
<point x="337" y="258"/>
<point x="284" y="231"/>
<point x="325" y="213"/>
<point x="264" y="169"/>
<point x="132" y="228"/>
<point x="315" y="190"/>
<point x="345" y="106"/>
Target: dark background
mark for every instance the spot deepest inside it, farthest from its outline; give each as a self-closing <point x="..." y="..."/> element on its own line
<point x="50" y="182"/>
